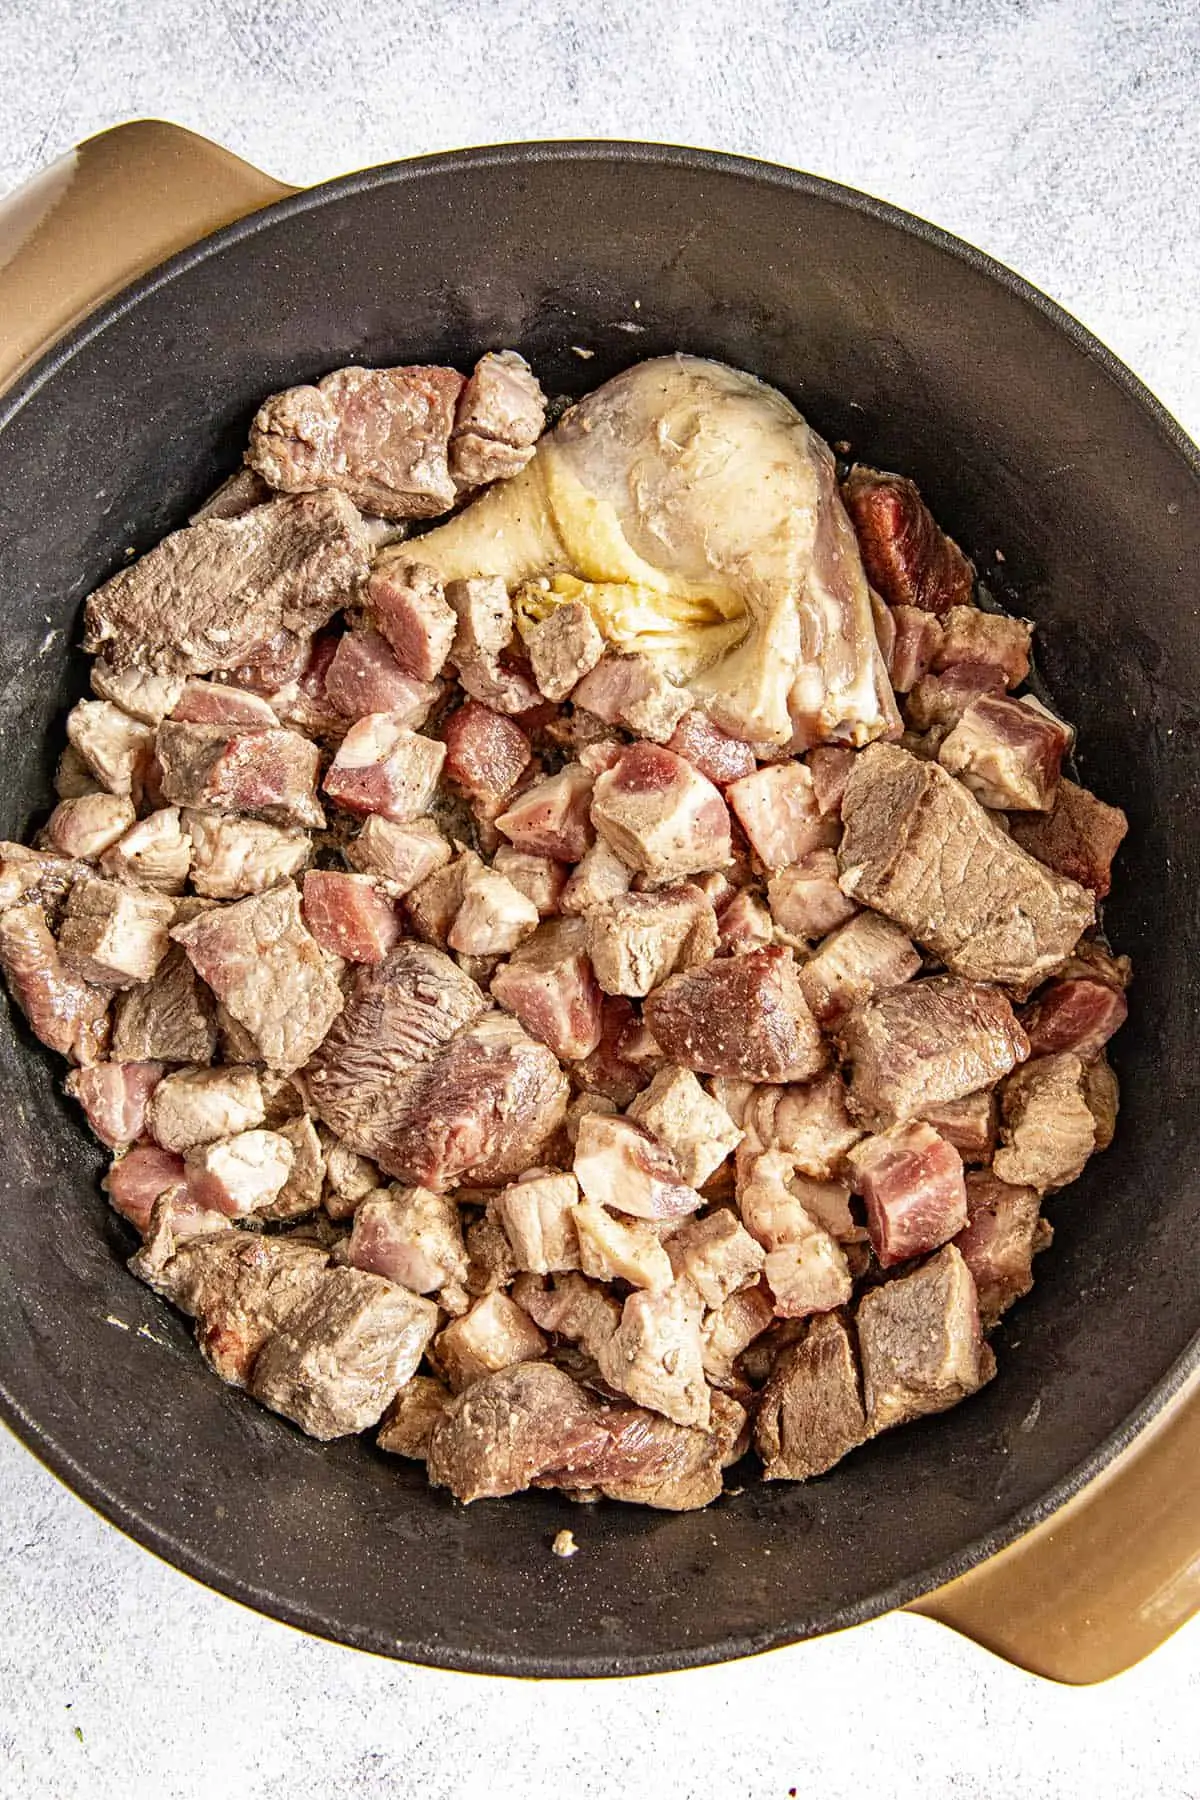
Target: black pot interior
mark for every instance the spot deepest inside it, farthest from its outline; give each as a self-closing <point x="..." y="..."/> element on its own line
<point x="1027" y="440"/>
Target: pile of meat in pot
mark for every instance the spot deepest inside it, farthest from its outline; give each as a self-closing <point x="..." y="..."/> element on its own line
<point x="497" y="1047"/>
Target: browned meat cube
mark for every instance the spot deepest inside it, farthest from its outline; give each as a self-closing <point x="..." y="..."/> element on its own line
<point x="716" y="1255"/>
<point x="115" y="748"/>
<point x="239" y="1175"/>
<point x="349" y="1178"/>
<point x="915" y="1046"/>
<point x="1047" y="1131"/>
<point x="270" y="775"/>
<point x="1079" y="837"/>
<point x="29" y="875"/>
<point x="810" y="1124"/>
<point x="777" y="809"/>
<point x="409" y="1421"/>
<point x="549" y="985"/>
<point x="619" y="1164"/>
<point x="921" y="1344"/>
<point x="1009" y="753"/>
<point x="114" y="1096"/>
<point x="551" y="817"/>
<point x="540" y="878"/>
<point x="624" y="1060"/>
<point x="1102" y="1093"/>
<point x="492" y="917"/>
<point x="907" y="556"/>
<point x="198" y="1106"/>
<point x="538" y="1216"/>
<point x="637" y="940"/>
<point x="265" y="968"/>
<point x="970" y="1124"/>
<point x="405" y="602"/>
<point x="138" y="692"/>
<point x="234" y="857"/>
<point x="341" y="1356"/>
<point x="912" y="1183"/>
<point x="486" y="753"/>
<point x="599" y="876"/>
<point x="655" y="1357"/>
<point x="647" y="1460"/>
<point x="1003" y="1234"/>
<point x="741" y="1015"/>
<point x="500" y="416"/>
<point x="921" y="850"/>
<point x="495" y="1334"/>
<point x="382" y="767"/>
<point x="156" y="852"/>
<point x="865" y="956"/>
<point x="301" y="1193"/>
<point x="412" y="1236"/>
<point x="141" y="1177"/>
<point x="660" y="815"/>
<point x="632" y="691"/>
<point x="211" y="595"/>
<point x="66" y="1012"/>
<point x="806" y="901"/>
<point x="938" y="702"/>
<point x="513" y="1427"/>
<point x="563" y="648"/>
<point x="402" y="855"/>
<point x="811" y="1412"/>
<point x="89" y="825"/>
<point x="733" y="1327"/>
<point x="720" y="758"/>
<point x="167" y="1019"/>
<point x="689" y="1122"/>
<point x="364" y="677"/>
<point x="349" y="915"/>
<point x="918" y="637"/>
<point x="381" y="436"/>
<point x="114" y="935"/>
<point x="481" y="642"/>
<point x="615" y="1247"/>
<point x="1078" y="1015"/>
<point x="971" y="636"/>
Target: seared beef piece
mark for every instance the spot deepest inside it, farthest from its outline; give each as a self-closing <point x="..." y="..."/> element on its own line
<point x="600" y="875"/>
<point x="207" y="597"/>
<point x="1047" y="1131"/>
<point x="830" y="767"/>
<point x="692" y="1125"/>
<point x="139" y="693"/>
<point x="510" y="1428"/>
<point x="716" y="1255"/>
<point x="300" y="1195"/>
<point x="1003" y="1234"/>
<point x="239" y="1175"/>
<point x="660" y="815"/>
<point x="649" y="1461"/>
<point x="550" y="986"/>
<point x="777" y="808"/>
<point x="805" y="1267"/>
<point x="381" y="436"/>
<point x="1078" y="1015"/>
<point x="806" y="901"/>
<point x="500" y="416"/>
<point x="616" y="1247"/>
<point x="938" y="702"/>
<point x="349" y="1178"/>
<point x="244" y="489"/>
<point x="364" y="677"/>
<point x="341" y="1356"/>
<point x="411" y="1236"/>
<point x="486" y="753"/>
<point x="115" y="748"/>
<point x="732" y="1328"/>
<point x="216" y="703"/>
<point x="138" y="1180"/>
<point x="915" y="1046"/>
<point x="112" y="934"/>
<point x="538" y="1216"/>
<point x="809" y="1124"/>
<point x="907" y="556"/>
<point x="916" y="639"/>
<point x="865" y="956"/>
<point x="921" y="1344"/>
<point x="198" y="1106"/>
<point x="265" y="968"/>
<point x="920" y="849"/>
<point x="89" y="825"/>
<point x="617" y="1067"/>
<point x="540" y="878"/>
<point x="156" y="852"/>
<point x="167" y="1019"/>
<point x="64" y="1011"/>
<point x="811" y="1411"/>
<point x="113" y="1096"/>
<point x="551" y="817"/>
<point x="563" y="648"/>
<point x="1079" y="837"/>
<point x="632" y="691"/>
<point x="1102" y="1093"/>
<point x="495" y="1334"/>
<point x="402" y="855"/>
<point x="409" y="1421"/>
<point x="636" y="940"/>
<point x="618" y="1163"/>
<point x="406" y="603"/>
<point x="269" y="775"/>
<point x="278" y="667"/>
<point x="432" y="905"/>
<point x="239" y="1287"/>
<point x="349" y="915"/>
<point x="741" y="1015"/>
<point x="912" y="1183"/>
<point x="574" y="1309"/>
<point x="492" y="916"/>
<point x="743" y="923"/>
<point x="29" y="876"/>
<point x="970" y="1124"/>
<point x="233" y="857"/>
<point x="719" y="757"/>
<point x="971" y="636"/>
<point x="1008" y="752"/>
<point x="174" y="1219"/>
<point x="485" y="633"/>
<point x="654" y="1356"/>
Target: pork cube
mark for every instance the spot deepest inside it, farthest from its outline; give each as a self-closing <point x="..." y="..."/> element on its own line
<point x="646" y="1460"/>
<point x="509" y="1428"/>
<point x="114" y="935"/>
<point x="743" y="923"/>
<point x="406" y="604"/>
<point x="575" y="1309"/>
<point x="1009" y="753"/>
<point x="917" y="638"/>
<point x="551" y="818"/>
<point x="364" y="677"/>
<point x="972" y="636"/>
<point x="300" y="1195"/>
<point x="66" y="1012"/>
<point x="599" y="876"/>
<point x="340" y="1357"/>
<point x="349" y="915"/>
<point x="233" y="857"/>
<point x="1102" y="1093"/>
<point x="549" y="984"/>
<point x="500" y="416"/>
<point x="1078" y="1015"/>
<point x="238" y="1285"/>
<point x="805" y="899"/>
<point x="1078" y="837"/>
<point x="198" y="1106"/>
<point x="865" y="956"/>
<point x="777" y="809"/>
<point x="382" y="767"/>
<point x="239" y="1175"/>
<point x="660" y="815"/>
<point x="809" y="1123"/>
<point x="694" y="1127"/>
<point x="409" y="1421"/>
<point x="218" y="703"/>
<point x="89" y="825"/>
<point x="620" y="1066"/>
<point x="907" y="556"/>
<point x="538" y="1216"/>
<point x="938" y="702"/>
<point x="269" y="775"/>
<point x="720" y="758"/>
<point x="486" y="753"/>
<point x="482" y="641"/>
<point x="970" y="1124"/>
<point x="563" y="648"/>
<point x="1003" y="1234"/>
<point x="493" y="916"/>
<point x="716" y="1254"/>
<point x="266" y="969"/>
<point x="811" y="1412"/>
<point x="732" y="1328"/>
<point x="114" y="1096"/>
<point x="636" y="940"/>
<point x="632" y="691"/>
<point x="493" y="1335"/>
<point x="168" y="1019"/>
<point x="912" y="1183"/>
<point x="808" y="1275"/>
<point x="540" y="878"/>
<point x="114" y="747"/>
<point x="619" y="1164"/>
<point x="920" y="1341"/>
<point x="401" y="855"/>
<point x="175" y="1220"/>
<point x="655" y="1355"/>
<point x="156" y="852"/>
<point x="143" y="1175"/>
<point x="915" y="1046"/>
<point x="138" y="692"/>
<point x="412" y="1236"/>
<point x="741" y="1015"/>
<point x="1047" y="1130"/>
<point x="617" y="1248"/>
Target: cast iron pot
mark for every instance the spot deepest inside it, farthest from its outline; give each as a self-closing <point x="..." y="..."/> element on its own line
<point x="1029" y="440"/>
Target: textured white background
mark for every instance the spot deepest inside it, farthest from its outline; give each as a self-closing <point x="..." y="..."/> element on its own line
<point x="1059" y="135"/>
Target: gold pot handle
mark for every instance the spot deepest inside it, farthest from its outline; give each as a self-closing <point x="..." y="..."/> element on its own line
<point x="1108" y="1577"/>
<point x="101" y="216"/>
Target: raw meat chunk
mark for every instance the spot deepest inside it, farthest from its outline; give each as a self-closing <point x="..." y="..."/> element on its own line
<point x="777" y="809"/>
<point x="551" y="817"/>
<point x="1008" y="752"/>
<point x="67" y="1013"/>
<point x="412" y="1236"/>
<point x="270" y="775"/>
<point x="406" y="604"/>
<point x="364" y="677"/>
<point x="912" y="1182"/>
<point x="486" y="753"/>
<point x="971" y="636"/>
<point x="863" y="957"/>
<point x="114" y="1096"/>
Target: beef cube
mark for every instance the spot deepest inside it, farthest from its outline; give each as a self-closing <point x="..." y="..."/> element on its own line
<point x="349" y="915"/>
<point x="865" y="956"/>
<point x="805" y="899"/>
<point x="915" y="644"/>
<point x="500" y="416"/>
<point x="777" y="809"/>
<point x="1102" y="1093"/>
<point x="720" y="758"/>
<point x="406" y="604"/>
<point x="716" y="1255"/>
<point x="380" y="436"/>
<point x="217" y="703"/>
<point x="971" y="636"/>
<point x="563" y="648"/>
<point x="694" y="1127"/>
<point x="1078" y="1015"/>
<point x="401" y="855"/>
<point x="266" y="969"/>
<point x="483" y="636"/>
<point x="616" y="1069"/>
<point x="301" y="1193"/>
<point x="174" y="1220"/>
<point x="269" y="775"/>
<point x="647" y="1460"/>
<point x="613" y="1247"/>
<point x="655" y="1356"/>
<point x="167" y="1019"/>
<point x="538" y="1216"/>
<point x="199" y="1106"/>
<point x="808" y="1275"/>
<point x="551" y="818"/>
<point x="619" y="1164"/>
<point x="114" y="935"/>
<point x="512" y="1427"/>
<point x="636" y="940"/>
<point x="493" y="1335"/>
<point x="238" y="1286"/>
<point x="732" y="1328"/>
<point x="811" y="1411"/>
<point x="232" y="857"/>
<point x="1078" y="837"/>
<point x="413" y="1237"/>
<point x="575" y="1309"/>
<point x="912" y="1182"/>
<point x="920" y="1341"/>
<point x="632" y="691"/>
<point x="1009" y="753"/>
<point x="1003" y="1234"/>
<point x="207" y="597"/>
<point x="89" y="825"/>
<point x="141" y="1177"/>
<point x="830" y="768"/>
<point x="810" y="1124"/>
<point x="580" y="1107"/>
<point x="157" y="853"/>
<point x="349" y="1179"/>
<point x="114" y="747"/>
<point x="660" y="815"/>
<point x="486" y="752"/>
<point x="138" y="692"/>
<point x="741" y="1015"/>
<point x="540" y="878"/>
<point x="364" y="677"/>
<point x="907" y="556"/>
<point x="66" y="1012"/>
<point x="915" y="1046"/>
<point x="114" y="1096"/>
<point x="743" y="923"/>
<point x="342" y="1355"/>
<point x="938" y="702"/>
<point x="550" y="986"/>
<point x="409" y="1421"/>
<point x="1047" y="1131"/>
<point x="922" y="851"/>
<point x="970" y="1124"/>
<point x="493" y="916"/>
<point x="599" y="876"/>
<point x="239" y="1175"/>
<point x="382" y="767"/>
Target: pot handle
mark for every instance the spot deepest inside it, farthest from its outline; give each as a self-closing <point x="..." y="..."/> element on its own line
<point x="102" y="215"/>
<point x="1106" y="1578"/>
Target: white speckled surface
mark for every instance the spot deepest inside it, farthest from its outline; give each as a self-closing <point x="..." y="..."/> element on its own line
<point x="1059" y="135"/>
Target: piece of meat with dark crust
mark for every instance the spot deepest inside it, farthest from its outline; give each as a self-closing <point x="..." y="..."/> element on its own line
<point x="549" y="984"/>
<point x="29" y="877"/>
<point x="1102" y="1093"/>
<point x="921" y="1343"/>
<point x="648" y="1460"/>
<point x="863" y="957"/>
<point x="1079" y="1015"/>
<point x="740" y="1015"/>
<point x="915" y="1046"/>
<point x="810" y="1413"/>
<point x="511" y="1428"/>
<point x="409" y="1421"/>
<point x="908" y="557"/>
<point x="1003" y="1234"/>
<point x="501" y="413"/>
<point x="912" y="1183"/>
<point x="1078" y="838"/>
<point x="268" y="775"/>
<point x="406" y="603"/>
<point x="1047" y="1130"/>
<point x="168" y="1019"/>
